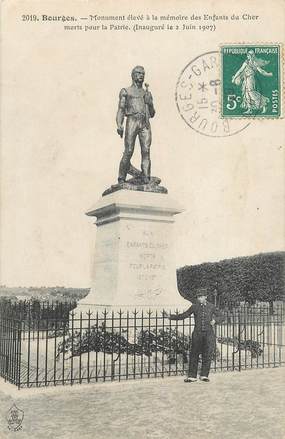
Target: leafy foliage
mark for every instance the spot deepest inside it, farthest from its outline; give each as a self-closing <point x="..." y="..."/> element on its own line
<point x="170" y="342"/>
<point x="248" y="345"/>
<point x="260" y="277"/>
<point x="147" y="342"/>
<point x="58" y="293"/>
<point x="35" y="314"/>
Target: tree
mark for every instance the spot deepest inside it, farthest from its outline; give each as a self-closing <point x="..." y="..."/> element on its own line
<point x="260" y="277"/>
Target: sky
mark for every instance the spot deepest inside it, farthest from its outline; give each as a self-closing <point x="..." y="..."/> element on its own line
<point x="60" y="149"/>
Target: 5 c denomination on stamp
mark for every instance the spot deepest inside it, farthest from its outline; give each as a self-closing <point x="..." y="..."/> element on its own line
<point x="251" y="81"/>
<point x="197" y="98"/>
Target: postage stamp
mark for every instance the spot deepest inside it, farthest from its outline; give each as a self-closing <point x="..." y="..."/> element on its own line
<point x="197" y="98"/>
<point x="251" y="84"/>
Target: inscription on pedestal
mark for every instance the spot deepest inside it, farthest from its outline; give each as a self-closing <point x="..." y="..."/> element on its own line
<point x="148" y="263"/>
<point x="133" y="260"/>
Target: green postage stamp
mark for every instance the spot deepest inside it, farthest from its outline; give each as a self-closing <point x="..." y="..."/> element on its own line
<point x="251" y="81"/>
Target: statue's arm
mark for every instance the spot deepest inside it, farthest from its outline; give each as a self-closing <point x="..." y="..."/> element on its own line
<point x="239" y="72"/>
<point x="149" y="102"/>
<point x="121" y="111"/>
<point x="263" y="72"/>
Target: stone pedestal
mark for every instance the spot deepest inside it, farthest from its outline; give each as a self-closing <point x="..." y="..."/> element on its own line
<point x="134" y="264"/>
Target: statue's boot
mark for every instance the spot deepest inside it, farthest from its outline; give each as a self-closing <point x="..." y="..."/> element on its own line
<point x="123" y="170"/>
<point x="139" y="178"/>
<point x="146" y="165"/>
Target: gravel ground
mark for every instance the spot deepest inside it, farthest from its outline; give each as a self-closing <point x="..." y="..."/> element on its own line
<point x="246" y="405"/>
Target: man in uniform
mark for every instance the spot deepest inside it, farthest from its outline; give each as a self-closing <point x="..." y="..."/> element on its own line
<point x="203" y="336"/>
<point x="136" y="104"/>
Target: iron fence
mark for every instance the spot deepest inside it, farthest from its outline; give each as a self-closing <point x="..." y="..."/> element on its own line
<point x="122" y="345"/>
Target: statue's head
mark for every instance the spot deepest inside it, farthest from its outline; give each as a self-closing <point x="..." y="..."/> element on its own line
<point x="138" y="74"/>
<point x="250" y="54"/>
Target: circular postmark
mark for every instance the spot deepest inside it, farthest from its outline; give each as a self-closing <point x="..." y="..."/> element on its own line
<point x="197" y="98"/>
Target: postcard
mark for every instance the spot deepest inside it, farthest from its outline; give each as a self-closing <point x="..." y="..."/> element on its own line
<point x="142" y="171"/>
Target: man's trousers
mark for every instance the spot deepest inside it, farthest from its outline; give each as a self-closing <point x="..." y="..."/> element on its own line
<point x="203" y="342"/>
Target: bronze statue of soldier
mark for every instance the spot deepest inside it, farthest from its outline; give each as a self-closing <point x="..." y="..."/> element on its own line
<point x="136" y="104"/>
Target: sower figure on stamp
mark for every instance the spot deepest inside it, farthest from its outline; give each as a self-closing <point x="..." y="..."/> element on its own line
<point x="203" y="336"/>
<point x="136" y="104"/>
